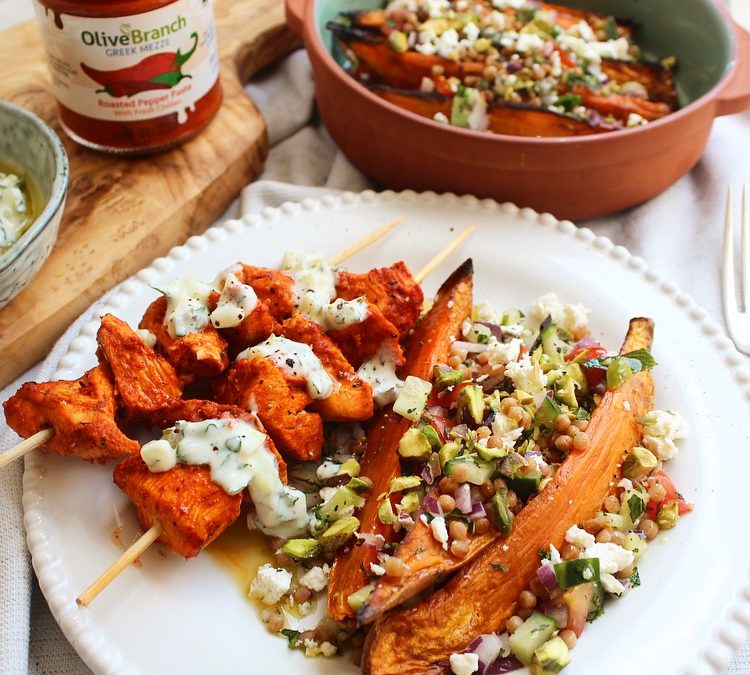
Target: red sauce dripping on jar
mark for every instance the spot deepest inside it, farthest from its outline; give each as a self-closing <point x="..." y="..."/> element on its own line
<point x="132" y="76"/>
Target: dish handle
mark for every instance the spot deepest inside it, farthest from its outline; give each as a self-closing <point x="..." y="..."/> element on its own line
<point x="736" y="97"/>
<point x="295" y="17"/>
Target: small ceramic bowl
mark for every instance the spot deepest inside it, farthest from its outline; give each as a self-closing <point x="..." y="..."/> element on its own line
<point x="29" y="146"/>
<point x="575" y="177"/>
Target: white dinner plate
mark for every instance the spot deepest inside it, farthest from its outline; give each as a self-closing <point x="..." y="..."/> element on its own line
<point x="692" y="611"/>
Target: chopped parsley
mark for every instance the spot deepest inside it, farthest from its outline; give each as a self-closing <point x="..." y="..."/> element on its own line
<point x="291" y="635"/>
<point x="500" y="568"/>
<point x="635" y="578"/>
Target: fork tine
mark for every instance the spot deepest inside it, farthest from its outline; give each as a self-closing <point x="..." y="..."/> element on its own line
<point x="729" y="295"/>
<point x="745" y="251"/>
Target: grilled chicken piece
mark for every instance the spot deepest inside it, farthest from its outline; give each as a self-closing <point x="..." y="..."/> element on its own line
<point x="254" y="328"/>
<point x="201" y="354"/>
<point x="198" y="410"/>
<point x="274" y="287"/>
<point x="351" y="400"/>
<point x="192" y="508"/>
<point x="393" y="290"/>
<point x="145" y="380"/>
<point x="81" y="412"/>
<point x="359" y="342"/>
<point x="279" y="400"/>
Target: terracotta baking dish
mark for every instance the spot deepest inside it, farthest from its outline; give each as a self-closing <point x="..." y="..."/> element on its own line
<point x="570" y="177"/>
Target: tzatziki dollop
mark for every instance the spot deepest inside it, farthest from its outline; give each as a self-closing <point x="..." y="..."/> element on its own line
<point x="15" y="209"/>
<point x="239" y="457"/>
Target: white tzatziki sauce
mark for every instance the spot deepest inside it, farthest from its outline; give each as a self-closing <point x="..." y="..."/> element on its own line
<point x="239" y="457"/>
<point x="187" y="306"/>
<point x="237" y="301"/>
<point x="294" y="358"/>
<point x="15" y="209"/>
<point x="380" y="373"/>
<point x="315" y="292"/>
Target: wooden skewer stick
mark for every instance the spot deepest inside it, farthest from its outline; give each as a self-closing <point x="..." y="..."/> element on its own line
<point x="144" y="541"/>
<point x="39" y="438"/>
<point x="365" y="241"/>
<point x="443" y="255"/>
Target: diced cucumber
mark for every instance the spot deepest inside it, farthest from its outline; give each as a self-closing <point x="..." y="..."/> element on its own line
<point x="571" y="573"/>
<point x="548" y="412"/>
<point x="531" y="635"/>
<point x="565" y="391"/>
<point x="511" y="317"/>
<point x="412" y="398"/>
<point x="500" y="514"/>
<point x="636" y="544"/>
<point x="616" y="521"/>
<point x="479" y="333"/>
<point x="525" y="484"/>
<point x="479" y="471"/>
<point x="553" y="345"/>
<point x="596" y="604"/>
<point x="551" y="657"/>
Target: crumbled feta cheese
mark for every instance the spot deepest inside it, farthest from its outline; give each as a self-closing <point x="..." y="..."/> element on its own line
<point x="312" y="648"/>
<point x="579" y="537"/>
<point x="377" y="570"/>
<point x="500" y="353"/>
<point x="625" y="484"/>
<point x="471" y="31"/>
<point x="440" y="117"/>
<point x="439" y="530"/>
<point x="626" y="405"/>
<point x="316" y="578"/>
<point x="327" y="492"/>
<point x="662" y="428"/>
<point x="570" y="317"/>
<point x="528" y="43"/>
<point x="304" y="609"/>
<point x="464" y="664"/>
<point x="327" y="469"/>
<point x="147" y="336"/>
<point x="527" y="376"/>
<point x="270" y="584"/>
<point x="506" y="430"/>
<point x="635" y="120"/>
<point x="513" y="4"/>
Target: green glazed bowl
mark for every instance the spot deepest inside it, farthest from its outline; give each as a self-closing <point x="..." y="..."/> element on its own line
<point x="573" y="177"/>
<point x="28" y="145"/>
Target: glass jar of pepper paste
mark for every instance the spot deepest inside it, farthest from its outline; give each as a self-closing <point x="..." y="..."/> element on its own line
<point x="131" y="76"/>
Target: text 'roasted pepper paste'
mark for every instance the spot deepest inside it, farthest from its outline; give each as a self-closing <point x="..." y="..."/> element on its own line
<point x="131" y="76"/>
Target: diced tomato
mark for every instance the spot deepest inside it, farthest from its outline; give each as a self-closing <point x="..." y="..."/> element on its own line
<point x="565" y="59"/>
<point x="578" y="600"/>
<point x="652" y="509"/>
<point x="586" y="352"/>
<point x="442" y="86"/>
<point x="595" y="376"/>
<point x="449" y="396"/>
<point x="439" y="423"/>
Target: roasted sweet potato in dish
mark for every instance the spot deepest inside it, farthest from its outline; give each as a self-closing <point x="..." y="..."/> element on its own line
<point x="192" y="509"/>
<point x="201" y="354"/>
<point x="421" y="639"/>
<point x="427" y="345"/>
<point x="81" y="412"/>
<point x="144" y="380"/>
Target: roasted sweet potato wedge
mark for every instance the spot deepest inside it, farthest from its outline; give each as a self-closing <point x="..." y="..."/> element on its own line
<point x="351" y="400"/>
<point x="202" y="354"/>
<point x="280" y="401"/>
<point x="621" y="107"/>
<point x="429" y="344"/>
<point x="81" y="412"/>
<point x="192" y="508"/>
<point x="144" y="380"/>
<point x="503" y="118"/>
<point x="480" y="599"/>
<point x="655" y="78"/>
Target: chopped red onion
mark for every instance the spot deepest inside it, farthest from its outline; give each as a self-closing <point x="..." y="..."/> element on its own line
<point x="585" y="342"/>
<point x="487" y="647"/>
<point x="557" y="612"/>
<point x="375" y="540"/>
<point x="463" y="498"/>
<point x="477" y="511"/>
<point x="431" y="505"/>
<point x="427" y="475"/>
<point x="460" y="430"/>
<point x="496" y="330"/>
<point x="547" y="576"/>
<point x="437" y="410"/>
<point x="506" y="664"/>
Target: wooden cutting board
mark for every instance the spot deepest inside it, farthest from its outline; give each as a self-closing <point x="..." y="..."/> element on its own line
<point x="122" y="213"/>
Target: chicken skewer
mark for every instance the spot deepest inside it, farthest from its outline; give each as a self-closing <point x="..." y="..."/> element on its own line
<point x="43" y="436"/>
<point x="156" y="529"/>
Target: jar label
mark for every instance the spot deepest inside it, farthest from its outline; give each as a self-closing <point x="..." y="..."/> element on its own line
<point x="132" y="68"/>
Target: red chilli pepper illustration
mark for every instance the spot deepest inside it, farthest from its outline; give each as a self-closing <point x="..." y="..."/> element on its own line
<point x="158" y="71"/>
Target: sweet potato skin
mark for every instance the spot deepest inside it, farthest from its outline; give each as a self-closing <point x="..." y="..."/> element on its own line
<point x="428" y="345"/>
<point x="422" y="638"/>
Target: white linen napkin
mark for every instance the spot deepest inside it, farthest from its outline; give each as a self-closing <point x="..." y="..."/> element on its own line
<point x="678" y="233"/>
